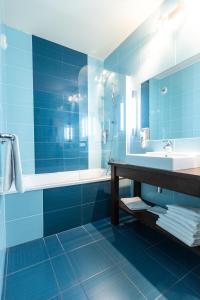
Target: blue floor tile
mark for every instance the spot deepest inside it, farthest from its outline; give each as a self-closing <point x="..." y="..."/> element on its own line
<point x="193" y="282"/>
<point x="151" y="236"/>
<point x="74" y="238"/>
<point x="149" y="276"/>
<point x="63" y="271"/>
<point x="179" y="292"/>
<point x="58" y="297"/>
<point x="122" y="248"/>
<point x="112" y="285"/>
<point x="115" y="250"/>
<point x="100" y="229"/>
<point x="172" y="265"/>
<point x="181" y="254"/>
<point x="140" y="242"/>
<point x="197" y="270"/>
<point x="27" y="254"/>
<point x="75" y="293"/>
<point x="89" y="260"/>
<point x="53" y="246"/>
<point x="37" y="282"/>
<point x="109" y="262"/>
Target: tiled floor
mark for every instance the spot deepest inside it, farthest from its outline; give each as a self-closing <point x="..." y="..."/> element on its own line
<point x="99" y="262"/>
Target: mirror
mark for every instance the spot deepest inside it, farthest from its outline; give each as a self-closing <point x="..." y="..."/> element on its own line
<point x="170" y="102"/>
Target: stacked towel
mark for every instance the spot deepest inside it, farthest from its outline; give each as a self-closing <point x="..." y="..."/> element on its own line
<point x="183" y="222"/>
<point x="135" y="203"/>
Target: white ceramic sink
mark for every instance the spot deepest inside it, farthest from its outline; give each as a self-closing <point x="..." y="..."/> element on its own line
<point x="165" y="160"/>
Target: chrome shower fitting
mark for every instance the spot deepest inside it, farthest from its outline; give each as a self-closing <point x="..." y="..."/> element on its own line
<point x="6" y="136"/>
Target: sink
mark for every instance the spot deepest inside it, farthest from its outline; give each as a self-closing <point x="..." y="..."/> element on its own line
<point x="165" y="160"/>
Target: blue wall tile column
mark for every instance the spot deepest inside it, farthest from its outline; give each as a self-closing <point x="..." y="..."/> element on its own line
<point x="17" y="89"/>
<point x="59" y="84"/>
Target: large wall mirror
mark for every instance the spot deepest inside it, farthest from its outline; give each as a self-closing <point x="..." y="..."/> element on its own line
<point x="170" y="102"/>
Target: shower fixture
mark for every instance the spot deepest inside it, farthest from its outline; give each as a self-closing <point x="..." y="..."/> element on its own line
<point x="103" y="76"/>
<point x="3" y="41"/>
<point x="164" y="90"/>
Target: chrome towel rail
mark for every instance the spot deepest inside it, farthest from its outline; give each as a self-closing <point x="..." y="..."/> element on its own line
<point x="6" y="136"/>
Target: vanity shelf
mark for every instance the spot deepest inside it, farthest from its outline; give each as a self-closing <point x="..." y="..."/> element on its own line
<point x="183" y="181"/>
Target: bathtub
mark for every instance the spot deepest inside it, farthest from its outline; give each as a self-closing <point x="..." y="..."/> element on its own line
<point x="60" y="179"/>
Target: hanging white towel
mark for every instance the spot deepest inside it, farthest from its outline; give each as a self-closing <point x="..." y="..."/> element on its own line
<point x="17" y="166"/>
<point x="13" y="167"/>
<point x="8" y="167"/>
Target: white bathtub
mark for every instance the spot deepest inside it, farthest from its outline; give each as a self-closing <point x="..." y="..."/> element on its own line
<point x="59" y="179"/>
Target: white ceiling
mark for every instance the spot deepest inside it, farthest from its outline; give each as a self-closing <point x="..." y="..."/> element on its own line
<point x="95" y="27"/>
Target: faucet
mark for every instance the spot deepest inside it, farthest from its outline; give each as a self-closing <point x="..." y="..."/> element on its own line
<point x="168" y="146"/>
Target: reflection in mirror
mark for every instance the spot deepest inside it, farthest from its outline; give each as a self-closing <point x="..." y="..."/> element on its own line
<point x="169" y="103"/>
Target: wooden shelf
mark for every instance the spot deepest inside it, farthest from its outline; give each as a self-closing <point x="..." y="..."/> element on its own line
<point x="182" y="181"/>
<point x="150" y="219"/>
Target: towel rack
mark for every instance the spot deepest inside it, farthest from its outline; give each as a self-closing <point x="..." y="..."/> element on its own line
<point x="6" y="136"/>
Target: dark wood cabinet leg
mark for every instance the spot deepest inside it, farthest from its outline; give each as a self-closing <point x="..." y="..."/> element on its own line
<point x="137" y="189"/>
<point x="115" y="197"/>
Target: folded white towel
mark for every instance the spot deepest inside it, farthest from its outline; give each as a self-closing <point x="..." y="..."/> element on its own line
<point x="188" y="241"/>
<point x="157" y="210"/>
<point x="193" y="225"/>
<point x="180" y="227"/>
<point x="135" y="203"/>
<point x="190" y="212"/>
<point x="8" y="167"/>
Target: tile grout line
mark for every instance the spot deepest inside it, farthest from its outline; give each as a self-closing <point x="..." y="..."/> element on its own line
<point x="85" y="229"/>
<point x="55" y="277"/>
<point x="176" y="282"/>
<point x="57" y="236"/>
<point x="157" y="243"/>
<point x="162" y="265"/>
<point x="82" y="246"/>
<point x="168" y="257"/>
<point x="96" y="274"/>
<point x="7" y="257"/>
<point x="5" y="277"/>
<point x="28" y="267"/>
<point x="54" y="274"/>
<point x="133" y="284"/>
<point x="23" y="218"/>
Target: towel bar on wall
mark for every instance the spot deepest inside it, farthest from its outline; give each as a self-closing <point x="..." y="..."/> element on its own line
<point x="6" y="136"/>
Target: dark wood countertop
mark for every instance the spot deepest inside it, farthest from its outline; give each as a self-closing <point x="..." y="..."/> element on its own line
<point x="192" y="171"/>
<point x="184" y="181"/>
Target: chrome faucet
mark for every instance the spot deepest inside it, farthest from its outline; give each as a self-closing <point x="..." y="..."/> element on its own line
<point x="168" y="146"/>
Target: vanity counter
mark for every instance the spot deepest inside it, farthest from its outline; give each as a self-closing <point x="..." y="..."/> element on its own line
<point x="182" y="181"/>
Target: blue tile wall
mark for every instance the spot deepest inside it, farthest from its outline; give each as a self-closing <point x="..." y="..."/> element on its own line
<point x="24" y="217"/>
<point x="17" y="93"/>
<point x="69" y="207"/>
<point x="56" y="77"/>
<point x="176" y="113"/>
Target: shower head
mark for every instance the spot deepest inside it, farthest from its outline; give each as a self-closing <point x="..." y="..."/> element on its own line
<point x="115" y="90"/>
